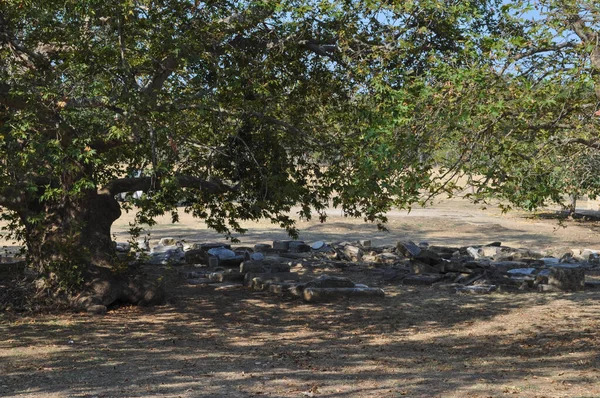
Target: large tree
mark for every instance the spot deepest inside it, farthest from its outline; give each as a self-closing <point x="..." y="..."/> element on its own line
<point x="237" y="109"/>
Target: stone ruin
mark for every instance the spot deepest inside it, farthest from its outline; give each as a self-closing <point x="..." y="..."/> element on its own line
<point x="472" y="269"/>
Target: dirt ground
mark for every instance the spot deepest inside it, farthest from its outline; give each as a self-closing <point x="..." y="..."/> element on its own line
<point x="415" y="342"/>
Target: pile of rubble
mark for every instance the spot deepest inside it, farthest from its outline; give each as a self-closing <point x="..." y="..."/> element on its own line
<point x="473" y="269"/>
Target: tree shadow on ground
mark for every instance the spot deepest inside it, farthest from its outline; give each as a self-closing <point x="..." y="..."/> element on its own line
<point x="417" y="342"/>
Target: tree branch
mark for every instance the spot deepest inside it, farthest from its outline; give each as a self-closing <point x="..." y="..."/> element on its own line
<point x="535" y="51"/>
<point x="165" y="69"/>
<point x="122" y="185"/>
<point x="33" y="59"/>
<point x="594" y="144"/>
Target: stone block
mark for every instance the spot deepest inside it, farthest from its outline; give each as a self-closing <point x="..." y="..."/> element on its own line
<point x="354" y="253"/>
<point x="233" y="262"/>
<point x="566" y="278"/>
<point x="167" y="241"/>
<point x="263" y="267"/>
<point x="327" y="281"/>
<point x="281" y="245"/>
<point x="365" y="243"/>
<point x="408" y="249"/>
<point x="428" y="257"/>
<point x="484" y="289"/>
<point x="262" y="247"/>
<point x="298" y="246"/>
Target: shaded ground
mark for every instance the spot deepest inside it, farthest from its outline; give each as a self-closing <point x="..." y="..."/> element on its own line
<point x="416" y="342"/>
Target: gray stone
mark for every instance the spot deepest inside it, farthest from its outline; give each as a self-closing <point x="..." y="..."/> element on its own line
<point x="318" y="245"/>
<point x="549" y="260"/>
<point x="190" y="246"/>
<point x="214" y="261"/>
<point x="227" y="286"/>
<point x="257" y="256"/>
<point x="483" y="289"/>
<point x="408" y="248"/>
<point x="354" y="253"/>
<point x="428" y="257"/>
<point x="327" y="281"/>
<point x="199" y="254"/>
<point x="222" y="253"/>
<point x="387" y="258"/>
<point x="167" y="242"/>
<point x="282" y="245"/>
<point x="262" y="247"/>
<point x="122" y="247"/>
<point x="522" y="271"/>
<point x="298" y="246"/>
<point x="489" y="251"/>
<point x="195" y="256"/>
<point x="365" y="243"/>
<point x="504" y="266"/>
<point x="567" y="279"/>
<point x="166" y="255"/>
<point x="474" y="252"/>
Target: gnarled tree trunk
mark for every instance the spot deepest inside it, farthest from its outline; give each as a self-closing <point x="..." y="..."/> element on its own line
<point x="70" y="244"/>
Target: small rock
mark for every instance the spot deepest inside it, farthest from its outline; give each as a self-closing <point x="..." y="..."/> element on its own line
<point x="122" y="247"/>
<point x="262" y="247"/>
<point x="474" y="252"/>
<point x="167" y="242"/>
<point x="365" y="243"/>
<point x="298" y="246"/>
<point x="354" y="253"/>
